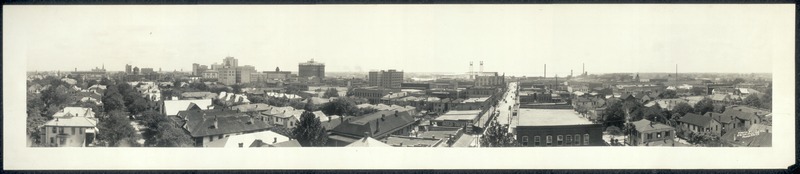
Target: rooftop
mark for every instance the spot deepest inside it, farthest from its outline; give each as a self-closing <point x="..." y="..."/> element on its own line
<point x="476" y="100"/>
<point x="459" y="115"/>
<point x="403" y="141"/>
<point x="550" y="117"/>
<point x="72" y="122"/>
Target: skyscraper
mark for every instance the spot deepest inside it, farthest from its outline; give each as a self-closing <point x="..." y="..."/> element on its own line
<point x="311" y="69"/>
<point x="387" y="79"/>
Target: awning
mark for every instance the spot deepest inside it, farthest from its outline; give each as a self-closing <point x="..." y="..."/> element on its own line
<point x="91" y="130"/>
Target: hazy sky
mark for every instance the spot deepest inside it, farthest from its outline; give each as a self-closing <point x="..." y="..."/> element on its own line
<point x="516" y="39"/>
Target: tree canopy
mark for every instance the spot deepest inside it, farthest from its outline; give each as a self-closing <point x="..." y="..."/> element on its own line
<point x="682" y="108"/>
<point x="115" y="129"/>
<point x="703" y="106"/>
<point x="497" y="136"/>
<point x="309" y="131"/>
<point x="331" y="92"/>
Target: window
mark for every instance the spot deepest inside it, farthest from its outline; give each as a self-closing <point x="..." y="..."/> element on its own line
<point x="54" y="131"/>
<point x="61" y="130"/>
<point x="658" y="135"/>
<point x="73" y="131"/>
<point x="536" y="141"/>
<point x="649" y="136"/>
<point x="585" y="139"/>
<point x="80" y="131"/>
<point x="525" y="140"/>
<point x="560" y="140"/>
<point x="577" y="140"/>
<point x="241" y="145"/>
<point x="53" y="139"/>
<point x="569" y="140"/>
<point x="549" y="140"/>
<point x="210" y="138"/>
<point x="220" y="137"/>
<point x="666" y="134"/>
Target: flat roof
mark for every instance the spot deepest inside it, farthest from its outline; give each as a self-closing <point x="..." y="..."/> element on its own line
<point x="459" y="115"/>
<point x="550" y="117"/>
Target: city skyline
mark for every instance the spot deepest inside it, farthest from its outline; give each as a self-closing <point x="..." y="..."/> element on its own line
<point x="516" y="40"/>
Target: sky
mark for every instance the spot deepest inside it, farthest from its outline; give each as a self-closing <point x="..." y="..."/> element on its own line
<point x="511" y="39"/>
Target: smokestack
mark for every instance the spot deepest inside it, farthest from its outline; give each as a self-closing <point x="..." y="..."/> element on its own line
<point x="471" y="73"/>
<point x="583" y="68"/>
<point x="481" y="67"/>
<point x="545" y="71"/>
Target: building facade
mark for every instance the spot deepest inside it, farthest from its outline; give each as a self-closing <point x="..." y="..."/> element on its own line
<point x="311" y="69"/>
<point x="387" y="79"/>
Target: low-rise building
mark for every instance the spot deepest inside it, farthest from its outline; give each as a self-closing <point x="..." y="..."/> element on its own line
<point x="700" y="124"/>
<point x="206" y="126"/>
<point x="172" y="107"/>
<point x="649" y="133"/>
<point x="378" y="125"/>
<point x="555" y="127"/>
<point x="70" y="127"/>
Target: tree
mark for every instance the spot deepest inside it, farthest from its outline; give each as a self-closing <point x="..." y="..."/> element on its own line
<point x="309" y="131"/>
<point x="698" y="91"/>
<point x="115" y="129"/>
<point x="497" y="136"/>
<point x="655" y="113"/>
<point x="766" y="99"/>
<point x="331" y="92"/>
<point x="112" y="100"/>
<point x="738" y="80"/>
<point x="256" y="99"/>
<point x="170" y="135"/>
<point x="139" y="105"/>
<point x="614" y="115"/>
<point x="682" y="108"/>
<point x="309" y="106"/>
<point x="237" y="89"/>
<point x="752" y="100"/>
<point x="669" y="94"/>
<point x="703" y="106"/>
<point x="55" y="95"/>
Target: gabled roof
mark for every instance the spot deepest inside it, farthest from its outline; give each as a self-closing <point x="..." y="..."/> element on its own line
<point x="75" y="112"/>
<point x="695" y="119"/>
<point x="290" y="143"/>
<point x="266" y="137"/>
<point x="645" y="125"/>
<point x="201" y="123"/>
<point x="720" y="117"/>
<point x="252" y="107"/>
<point x="72" y="122"/>
<point x="741" y="115"/>
<point x="367" y="142"/>
<point x="378" y="124"/>
<point x="719" y="97"/>
<point x="172" y="107"/>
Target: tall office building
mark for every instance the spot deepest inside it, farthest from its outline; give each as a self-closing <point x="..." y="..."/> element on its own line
<point x="311" y="69"/>
<point x="230" y="73"/>
<point x="387" y="79"/>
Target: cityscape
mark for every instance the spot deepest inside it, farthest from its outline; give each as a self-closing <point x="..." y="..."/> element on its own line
<point x="230" y="105"/>
<point x="510" y="77"/>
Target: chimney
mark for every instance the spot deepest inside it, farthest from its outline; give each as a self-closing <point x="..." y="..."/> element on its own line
<point x="216" y="122"/>
<point x="382" y="116"/>
<point x="396" y="113"/>
<point x="274" y="140"/>
<point x="366" y="134"/>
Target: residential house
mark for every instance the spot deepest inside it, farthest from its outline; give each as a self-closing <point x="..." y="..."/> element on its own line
<point x="172" y="107"/>
<point x="700" y="124"/>
<point x="248" y="140"/>
<point x="70" y="127"/>
<point x="650" y="133"/>
<point x="378" y="125"/>
<point x="367" y="142"/>
<point x="206" y="126"/>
